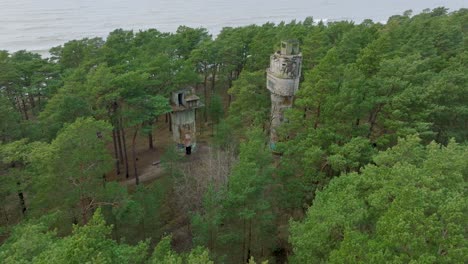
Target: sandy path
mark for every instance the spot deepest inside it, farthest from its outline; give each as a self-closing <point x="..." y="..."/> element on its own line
<point x="153" y="172"/>
<point x="149" y="173"/>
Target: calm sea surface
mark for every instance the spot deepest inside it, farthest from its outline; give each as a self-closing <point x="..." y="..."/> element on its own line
<point x="38" y="25"/>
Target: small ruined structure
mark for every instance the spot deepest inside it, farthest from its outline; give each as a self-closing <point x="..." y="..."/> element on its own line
<point x="283" y="82"/>
<point x="184" y="103"/>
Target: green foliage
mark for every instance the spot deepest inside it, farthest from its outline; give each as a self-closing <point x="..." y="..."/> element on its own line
<point x="368" y="87"/>
<point x="170" y="160"/>
<point x="363" y="86"/>
<point x="163" y="253"/>
<point x="243" y="206"/>
<point x="73" y="170"/>
<point x="188" y="39"/>
<point x="140" y="215"/>
<point x="225" y="136"/>
<point x="206" y="223"/>
<point x="199" y="255"/>
<point x="28" y="240"/>
<point x="65" y="107"/>
<point x="35" y="243"/>
<point x="407" y="207"/>
<point x="76" y="52"/>
<point x="251" y="103"/>
<point x="10" y="128"/>
<point x="352" y="155"/>
<point x="80" y="150"/>
<point x="216" y="110"/>
<point x="151" y="199"/>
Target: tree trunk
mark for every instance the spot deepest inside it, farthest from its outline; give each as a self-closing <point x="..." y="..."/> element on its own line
<point x="119" y="143"/>
<point x="124" y="149"/>
<point x="137" y="180"/>
<point x="39" y="100"/>
<point x="25" y="109"/>
<point x="249" y="241"/>
<point x="18" y="106"/>
<point x="170" y="123"/>
<point x="317" y="117"/>
<point x="5" y="214"/>
<point x="243" y="243"/>
<point x="104" y="180"/>
<point x="116" y="152"/>
<point x="21" y="199"/>
<point x="373" y="119"/>
<point x="439" y="135"/>
<point x="210" y="243"/>
<point x="150" y="140"/>
<point x="213" y="79"/>
<point x="74" y="219"/>
<point x="84" y="212"/>
<point x="231" y="77"/>
<point x="20" y="193"/>
<point x="206" y="96"/>
<point x="31" y="101"/>
<point x="150" y="135"/>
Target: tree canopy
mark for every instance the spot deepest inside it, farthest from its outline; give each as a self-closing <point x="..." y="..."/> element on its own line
<point x="369" y="167"/>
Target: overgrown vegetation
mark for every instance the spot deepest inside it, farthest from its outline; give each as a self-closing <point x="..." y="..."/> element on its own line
<point x="373" y="166"/>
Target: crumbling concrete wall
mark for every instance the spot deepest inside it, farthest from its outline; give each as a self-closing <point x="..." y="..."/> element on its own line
<point x="183" y="124"/>
<point x="184" y="103"/>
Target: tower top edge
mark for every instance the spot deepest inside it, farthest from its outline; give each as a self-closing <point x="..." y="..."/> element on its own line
<point x="290" y="47"/>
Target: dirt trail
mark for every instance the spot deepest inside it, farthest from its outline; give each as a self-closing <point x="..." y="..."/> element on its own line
<point x="152" y="172"/>
<point x="149" y="173"/>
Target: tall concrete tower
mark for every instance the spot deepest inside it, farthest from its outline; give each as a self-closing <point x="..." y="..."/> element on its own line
<point x="283" y="82"/>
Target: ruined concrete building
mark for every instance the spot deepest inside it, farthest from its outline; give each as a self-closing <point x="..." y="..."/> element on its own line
<point x="184" y="104"/>
<point x="283" y="82"/>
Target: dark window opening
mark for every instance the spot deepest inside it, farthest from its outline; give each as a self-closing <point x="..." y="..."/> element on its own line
<point x="180" y="99"/>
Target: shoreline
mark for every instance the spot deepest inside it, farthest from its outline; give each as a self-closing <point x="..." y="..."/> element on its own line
<point x="41" y="43"/>
<point x="213" y="31"/>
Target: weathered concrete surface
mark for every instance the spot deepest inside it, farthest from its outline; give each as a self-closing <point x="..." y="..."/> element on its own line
<point x="283" y="78"/>
<point x="183" y="123"/>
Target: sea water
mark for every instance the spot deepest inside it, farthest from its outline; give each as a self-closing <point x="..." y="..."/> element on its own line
<point x="38" y="25"/>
